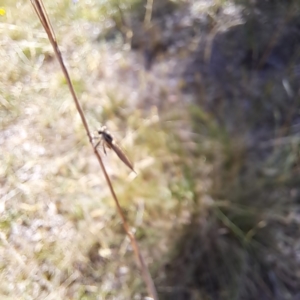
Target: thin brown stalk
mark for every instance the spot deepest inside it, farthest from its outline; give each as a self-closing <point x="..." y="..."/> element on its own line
<point x="43" y="16"/>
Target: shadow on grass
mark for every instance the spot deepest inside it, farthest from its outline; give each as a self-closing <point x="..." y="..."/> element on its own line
<point x="241" y="240"/>
<point x="241" y="243"/>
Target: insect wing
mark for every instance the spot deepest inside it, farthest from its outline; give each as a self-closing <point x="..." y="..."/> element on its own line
<point x="121" y="155"/>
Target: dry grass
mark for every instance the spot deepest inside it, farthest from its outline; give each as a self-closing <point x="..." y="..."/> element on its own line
<point x="60" y="235"/>
<point x="55" y="209"/>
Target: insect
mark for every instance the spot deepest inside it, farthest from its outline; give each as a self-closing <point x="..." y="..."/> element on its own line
<point x="108" y="141"/>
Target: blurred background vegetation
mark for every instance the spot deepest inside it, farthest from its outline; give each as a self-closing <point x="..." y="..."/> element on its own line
<point x="204" y="98"/>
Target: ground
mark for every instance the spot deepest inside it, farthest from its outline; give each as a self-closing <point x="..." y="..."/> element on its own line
<point x="203" y="99"/>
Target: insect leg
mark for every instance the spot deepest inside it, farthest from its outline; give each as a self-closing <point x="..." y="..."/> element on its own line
<point x="98" y="143"/>
<point x="103" y="145"/>
<point x="101" y="141"/>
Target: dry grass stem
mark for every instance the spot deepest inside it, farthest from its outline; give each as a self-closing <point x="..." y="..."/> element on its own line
<point x="148" y="14"/>
<point x="42" y="14"/>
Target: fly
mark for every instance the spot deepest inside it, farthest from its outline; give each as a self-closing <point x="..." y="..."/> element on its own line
<point x="108" y="141"/>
